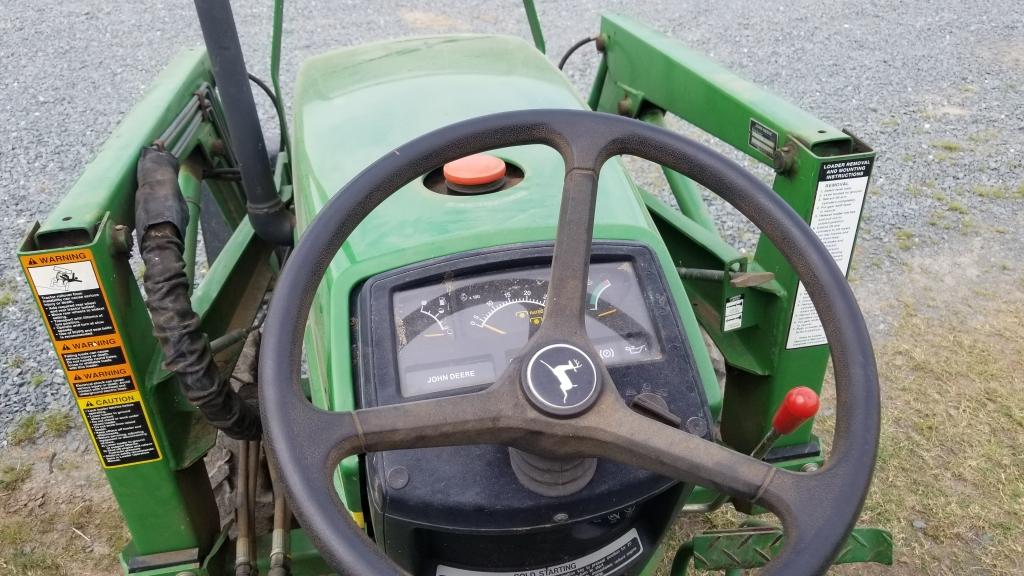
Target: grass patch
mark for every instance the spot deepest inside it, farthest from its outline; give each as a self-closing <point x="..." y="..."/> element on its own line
<point x="20" y="554"/>
<point x="904" y="239"/>
<point x="6" y="299"/>
<point x="35" y="562"/>
<point x="36" y="380"/>
<point x="55" y="539"/>
<point x="11" y="478"/>
<point x="998" y="192"/>
<point x="949" y="480"/>
<point x="26" y="430"/>
<point x="16" y="361"/>
<point x="948" y="146"/>
<point x="57" y="423"/>
<point x="984" y="136"/>
<point x="950" y="475"/>
<point x="957" y="207"/>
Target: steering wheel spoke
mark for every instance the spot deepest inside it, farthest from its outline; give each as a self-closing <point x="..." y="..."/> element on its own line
<point x="567" y="291"/>
<point x="487" y="417"/>
<point x="635" y="439"/>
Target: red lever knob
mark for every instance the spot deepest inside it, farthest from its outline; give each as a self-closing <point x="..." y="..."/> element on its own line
<point x="799" y="405"/>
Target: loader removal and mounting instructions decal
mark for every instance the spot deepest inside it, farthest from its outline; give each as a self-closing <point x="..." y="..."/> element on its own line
<point x="835" y="217"/>
<point x="92" y="354"/>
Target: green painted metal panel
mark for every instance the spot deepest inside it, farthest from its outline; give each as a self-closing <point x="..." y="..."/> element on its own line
<point x="644" y="64"/>
<point x="108" y="182"/>
<point x="748" y="548"/>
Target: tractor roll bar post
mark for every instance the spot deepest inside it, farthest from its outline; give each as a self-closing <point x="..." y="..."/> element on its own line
<point x="270" y="218"/>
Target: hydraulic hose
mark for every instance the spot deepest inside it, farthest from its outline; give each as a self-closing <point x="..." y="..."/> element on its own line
<point x="279" y="549"/>
<point x="243" y="511"/>
<point x="572" y="49"/>
<point x="161" y="218"/>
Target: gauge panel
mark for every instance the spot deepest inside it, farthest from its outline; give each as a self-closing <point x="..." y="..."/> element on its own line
<point x="418" y="338"/>
<point x="463" y="330"/>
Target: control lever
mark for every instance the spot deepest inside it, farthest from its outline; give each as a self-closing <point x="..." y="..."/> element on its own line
<point x="654" y="406"/>
<point x="798" y="406"/>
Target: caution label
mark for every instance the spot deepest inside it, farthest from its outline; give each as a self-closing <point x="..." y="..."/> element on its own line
<point x="835" y="218"/>
<point x="120" y="429"/>
<point x="78" y="318"/>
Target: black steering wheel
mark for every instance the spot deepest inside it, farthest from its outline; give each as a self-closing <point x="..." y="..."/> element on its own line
<point x="529" y="407"/>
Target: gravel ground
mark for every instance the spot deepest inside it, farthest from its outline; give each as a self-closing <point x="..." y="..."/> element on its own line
<point x="933" y="86"/>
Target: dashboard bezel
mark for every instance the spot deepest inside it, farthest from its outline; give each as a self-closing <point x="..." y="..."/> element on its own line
<point x="377" y="335"/>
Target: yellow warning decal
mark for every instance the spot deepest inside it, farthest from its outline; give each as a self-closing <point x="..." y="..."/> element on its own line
<point x="77" y="314"/>
<point x="357" y="517"/>
<point x="120" y="429"/>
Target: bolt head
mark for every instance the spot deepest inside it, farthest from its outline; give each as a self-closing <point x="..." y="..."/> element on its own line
<point x="398" y="478"/>
<point x="697" y="426"/>
<point x="623" y="106"/>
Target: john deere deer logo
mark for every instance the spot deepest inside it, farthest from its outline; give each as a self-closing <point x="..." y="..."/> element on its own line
<point x="561" y="379"/>
<point x="564" y="383"/>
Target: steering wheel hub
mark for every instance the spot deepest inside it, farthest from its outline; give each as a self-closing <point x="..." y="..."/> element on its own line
<point x="561" y="380"/>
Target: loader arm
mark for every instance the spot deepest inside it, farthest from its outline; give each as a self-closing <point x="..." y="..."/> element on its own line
<point x="775" y="343"/>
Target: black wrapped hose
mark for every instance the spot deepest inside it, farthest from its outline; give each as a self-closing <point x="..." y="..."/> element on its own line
<point x="161" y="217"/>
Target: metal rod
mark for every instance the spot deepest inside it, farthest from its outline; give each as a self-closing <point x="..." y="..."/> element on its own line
<point x="190" y="110"/>
<point x="228" y="340"/>
<point x="701" y="274"/>
<point x="531" y="17"/>
<point x="685" y="191"/>
<point x="269" y="217"/>
<point x="595" y="90"/>
<point x="252" y="477"/>
<point x="190" y="183"/>
<point x="181" y="145"/>
<point x="275" y="73"/>
<point x="737" y="279"/>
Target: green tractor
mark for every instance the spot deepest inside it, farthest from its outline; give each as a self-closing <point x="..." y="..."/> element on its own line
<point x="442" y="331"/>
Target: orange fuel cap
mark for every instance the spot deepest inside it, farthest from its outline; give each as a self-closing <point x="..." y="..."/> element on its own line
<point x="475" y="170"/>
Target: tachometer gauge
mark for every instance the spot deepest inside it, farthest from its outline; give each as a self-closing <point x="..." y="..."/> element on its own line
<point x="510" y="306"/>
